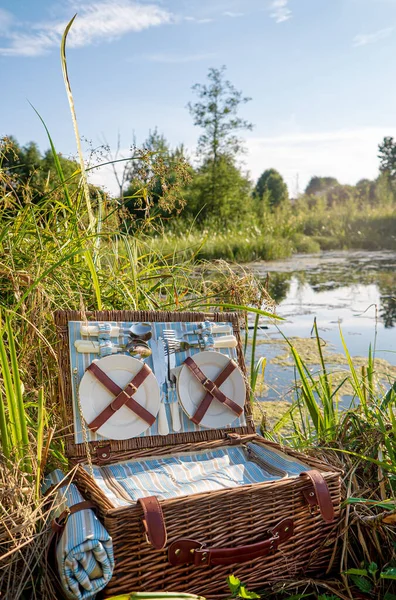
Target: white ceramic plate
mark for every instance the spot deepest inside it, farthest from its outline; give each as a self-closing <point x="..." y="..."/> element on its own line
<point x="95" y="397"/>
<point x="191" y="392"/>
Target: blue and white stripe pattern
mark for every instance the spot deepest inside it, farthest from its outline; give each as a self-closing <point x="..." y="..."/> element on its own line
<point x="276" y="459"/>
<point x="80" y="362"/>
<point x="85" y="550"/>
<point x="190" y="473"/>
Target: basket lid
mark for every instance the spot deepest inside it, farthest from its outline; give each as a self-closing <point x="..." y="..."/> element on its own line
<point x="78" y="331"/>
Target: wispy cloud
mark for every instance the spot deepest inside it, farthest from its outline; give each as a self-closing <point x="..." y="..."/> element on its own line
<point x="280" y="10"/>
<point x="370" y="38"/>
<point x="96" y="22"/>
<point x="233" y="15"/>
<point x="6" y="19"/>
<point x="199" y="21"/>
<point x="176" y="58"/>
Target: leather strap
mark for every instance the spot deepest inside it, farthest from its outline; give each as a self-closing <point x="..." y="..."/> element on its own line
<point x="212" y="389"/>
<point x="320" y="495"/>
<point x="122" y="396"/>
<point x="58" y="524"/>
<point x="153" y="521"/>
<point x="67" y="480"/>
<point x="186" y="551"/>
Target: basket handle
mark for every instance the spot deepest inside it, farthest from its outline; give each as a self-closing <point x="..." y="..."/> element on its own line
<point x="185" y="551"/>
<point x="153" y="522"/>
<point x="320" y="495"/>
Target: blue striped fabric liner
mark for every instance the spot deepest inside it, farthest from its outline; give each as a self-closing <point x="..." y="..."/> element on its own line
<point x="277" y="459"/>
<point x="81" y="361"/>
<point x="85" y="550"/>
<point x="180" y="475"/>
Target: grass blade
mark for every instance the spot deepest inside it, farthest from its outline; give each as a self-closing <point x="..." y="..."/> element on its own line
<point x="5" y="444"/>
<point x="95" y="279"/>
<point x="40" y="438"/>
<point x="75" y="126"/>
<point x="355" y="380"/>
<point x="18" y="397"/>
<point x="14" y="425"/>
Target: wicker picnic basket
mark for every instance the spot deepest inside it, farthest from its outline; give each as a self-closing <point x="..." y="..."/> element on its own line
<point x="262" y="533"/>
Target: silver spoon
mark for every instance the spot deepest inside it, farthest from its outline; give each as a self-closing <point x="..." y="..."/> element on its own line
<point x="140" y="331"/>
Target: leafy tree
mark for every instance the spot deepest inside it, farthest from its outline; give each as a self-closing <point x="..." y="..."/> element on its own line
<point x="233" y="194"/>
<point x="387" y="156"/>
<point x="272" y="188"/>
<point x="156" y="177"/>
<point x="320" y="185"/>
<point x="216" y="112"/>
<point x="33" y="175"/>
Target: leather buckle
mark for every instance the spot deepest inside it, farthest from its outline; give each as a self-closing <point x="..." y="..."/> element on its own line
<point x="59" y="523"/>
<point x="206" y="386"/>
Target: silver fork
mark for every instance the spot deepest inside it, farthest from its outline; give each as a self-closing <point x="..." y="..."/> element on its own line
<point x="175" y="345"/>
<point x="206" y="328"/>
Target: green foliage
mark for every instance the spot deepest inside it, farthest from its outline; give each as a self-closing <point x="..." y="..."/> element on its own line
<point x="29" y="174"/>
<point x="238" y="590"/>
<point x="157" y="177"/>
<point x="320" y="185"/>
<point x="271" y="188"/>
<point x="216" y="113"/>
<point x="228" y="202"/>
<point x="220" y="186"/>
<point x="387" y="156"/>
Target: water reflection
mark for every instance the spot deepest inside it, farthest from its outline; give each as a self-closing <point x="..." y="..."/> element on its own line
<point x="352" y="290"/>
<point x="334" y="270"/>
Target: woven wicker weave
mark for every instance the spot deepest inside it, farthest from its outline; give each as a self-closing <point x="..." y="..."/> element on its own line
<point x="227" y="518"/>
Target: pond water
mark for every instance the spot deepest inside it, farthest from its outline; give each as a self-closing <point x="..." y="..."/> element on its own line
<point x="354" y="290"/>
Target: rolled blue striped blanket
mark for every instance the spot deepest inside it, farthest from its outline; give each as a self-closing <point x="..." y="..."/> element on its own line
<point x="84" y="553"/>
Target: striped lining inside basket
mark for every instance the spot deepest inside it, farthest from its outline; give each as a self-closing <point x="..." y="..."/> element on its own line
<point x="193" y="473"/>
<point x="277" y="460"/>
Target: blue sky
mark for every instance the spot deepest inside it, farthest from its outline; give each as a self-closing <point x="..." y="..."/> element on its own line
<point x="320" y="74"/>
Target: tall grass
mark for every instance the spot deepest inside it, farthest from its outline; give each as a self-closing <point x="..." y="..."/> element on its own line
<point x="360" y="440"/>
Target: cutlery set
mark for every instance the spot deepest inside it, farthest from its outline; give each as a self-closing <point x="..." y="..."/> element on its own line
<point x="139" y="343"/>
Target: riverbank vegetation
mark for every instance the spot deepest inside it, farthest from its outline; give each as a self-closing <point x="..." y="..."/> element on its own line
<point x="207" y="206"/>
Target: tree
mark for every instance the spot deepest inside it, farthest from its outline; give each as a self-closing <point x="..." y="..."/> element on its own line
<point x="216" y="112"/>
<point x="320" y="185"/>
<point x="156" y="176"/>
<point x="233" y="191"/>
<point x="387" y="156"/>
<point x="272" y="188"/>
<point x="33" y="175"/>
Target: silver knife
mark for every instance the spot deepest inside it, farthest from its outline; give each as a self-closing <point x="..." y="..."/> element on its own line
<point x="172" y="392"/>
<point x="160" y="373"/>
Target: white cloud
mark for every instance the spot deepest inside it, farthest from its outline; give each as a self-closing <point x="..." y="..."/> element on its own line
<point x="6" y="20"/>
<point x="348" y="155"/>
<point x="176" y="58"/>
<point x="95" y="22"/>
<point x="233" y="15"/>
<point x="280" y="10"/>
<point x="362" y="39"/>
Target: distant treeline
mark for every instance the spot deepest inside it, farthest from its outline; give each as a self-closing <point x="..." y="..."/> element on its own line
<point x="160" y="181"/>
